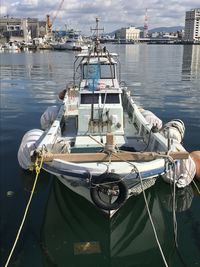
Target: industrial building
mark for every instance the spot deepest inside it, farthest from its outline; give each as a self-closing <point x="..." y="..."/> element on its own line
<point x="18" y="29"/>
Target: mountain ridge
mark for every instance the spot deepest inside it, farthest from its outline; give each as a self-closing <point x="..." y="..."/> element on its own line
<point x="167" y="29"/>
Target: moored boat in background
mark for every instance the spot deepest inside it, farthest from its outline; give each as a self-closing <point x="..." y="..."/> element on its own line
<point x="72" y="41"/>
<point x="10" y="47"/>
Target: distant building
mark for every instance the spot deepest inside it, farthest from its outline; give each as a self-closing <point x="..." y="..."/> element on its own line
<point x="16" y="29"/>
<point x="192" y="25"/>
<point x="128" y="34"/>
<point x="145" y="30"/>
<point x="42" y="28"/>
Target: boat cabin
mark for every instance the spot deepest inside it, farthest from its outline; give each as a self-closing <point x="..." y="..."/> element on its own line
<point x="100" y="104"/>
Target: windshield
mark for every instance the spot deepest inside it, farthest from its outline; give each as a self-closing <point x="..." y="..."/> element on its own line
<point x="98" y="71"/>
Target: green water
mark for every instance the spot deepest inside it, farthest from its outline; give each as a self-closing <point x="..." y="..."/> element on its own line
<point x="64" y="230"/>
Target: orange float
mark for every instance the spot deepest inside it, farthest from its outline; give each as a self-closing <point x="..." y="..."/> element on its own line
<point x="195" y="155"/>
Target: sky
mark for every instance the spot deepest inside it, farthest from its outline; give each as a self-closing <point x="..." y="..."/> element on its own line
<point x="113" y="15"/>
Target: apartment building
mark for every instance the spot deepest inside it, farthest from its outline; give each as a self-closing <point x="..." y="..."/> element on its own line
<point x="192" y="25"/>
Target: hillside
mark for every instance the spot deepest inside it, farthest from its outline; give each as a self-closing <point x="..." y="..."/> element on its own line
<point x="167" y="29"/>
<point x="159" y="29"/>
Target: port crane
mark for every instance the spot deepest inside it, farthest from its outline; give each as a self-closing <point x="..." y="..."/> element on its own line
<point x="49" y="23"/>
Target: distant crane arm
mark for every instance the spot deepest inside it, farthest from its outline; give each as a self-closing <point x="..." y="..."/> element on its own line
<point x="59" y="8"/>
<point x="50" y="23"/>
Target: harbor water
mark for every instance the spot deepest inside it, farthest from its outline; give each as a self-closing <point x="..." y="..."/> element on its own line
<point x="61" y="228"/>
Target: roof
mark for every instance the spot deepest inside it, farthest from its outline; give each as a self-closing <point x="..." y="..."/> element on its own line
<point x="101" y="54"/>
<point x="95" y="60"/>
<point x="97" y="57"/>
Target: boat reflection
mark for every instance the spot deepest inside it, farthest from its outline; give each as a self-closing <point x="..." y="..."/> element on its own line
<point x="74" y="234"/>
<point x="191" y="62"/>
<point x="183" y="200"/>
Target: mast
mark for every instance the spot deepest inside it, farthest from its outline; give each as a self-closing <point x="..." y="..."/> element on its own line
<point x="96" y="50"/>
<point x="96" y="30"/>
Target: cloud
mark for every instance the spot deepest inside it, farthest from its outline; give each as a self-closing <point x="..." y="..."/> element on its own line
<point x="113" y="14"/>
<point x="15" y="4"/>
<point x="3" y="10"/>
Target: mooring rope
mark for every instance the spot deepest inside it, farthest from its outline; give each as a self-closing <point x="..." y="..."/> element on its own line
<point x="196" y="187"/>
<point x="151" y="220"/>
<point x="37" y="170"/>
<point x="175" y="225"/>
<point x="148" y="211"/>
<point x="173" y="178"/>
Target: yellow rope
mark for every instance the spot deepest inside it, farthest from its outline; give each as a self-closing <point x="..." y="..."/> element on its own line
<point x="37" y="169"/>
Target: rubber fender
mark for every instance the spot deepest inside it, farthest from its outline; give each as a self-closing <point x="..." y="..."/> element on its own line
<point x="109" y="179"/>
<point x="183" y="171"/>
<point x="174" y="129"/>
<point x="48" y="117"/>
<point x="151" y="118"/>
<point x="27" y="146"/>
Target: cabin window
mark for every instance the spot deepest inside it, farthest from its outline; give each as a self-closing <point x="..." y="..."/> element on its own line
<point x="91" y="71"/>
<point x="98" y="71"/>
<point x="107" y="71"/>
<point x="110" y="98"/>
<point x="89" y="98"/>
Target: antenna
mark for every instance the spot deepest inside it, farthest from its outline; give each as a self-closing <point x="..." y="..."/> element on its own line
<point x="145" y="32"/>
<point x="96" y="30"/>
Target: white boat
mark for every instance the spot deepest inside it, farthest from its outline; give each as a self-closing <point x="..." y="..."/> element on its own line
<point x="76" y="42"/>
<point x="73" y="41"/>
<point x="11" y="47"/>
<point x="100" y="143"/>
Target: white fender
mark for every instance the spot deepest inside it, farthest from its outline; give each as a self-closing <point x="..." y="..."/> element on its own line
<point x="151" y="118"/>
<point x="183" y="172"/>
<point x="27" y="146"/>
<point x="174" y="129"/>
<point x="48" y="117"/>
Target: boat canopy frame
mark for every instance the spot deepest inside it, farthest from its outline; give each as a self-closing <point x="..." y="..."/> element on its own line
<point x="84" y="59"/>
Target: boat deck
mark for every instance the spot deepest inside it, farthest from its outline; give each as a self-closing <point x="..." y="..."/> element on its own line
<point x="130" y="140"/>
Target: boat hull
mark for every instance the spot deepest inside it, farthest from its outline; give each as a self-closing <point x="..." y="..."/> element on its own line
<point x="80" y="178"/>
